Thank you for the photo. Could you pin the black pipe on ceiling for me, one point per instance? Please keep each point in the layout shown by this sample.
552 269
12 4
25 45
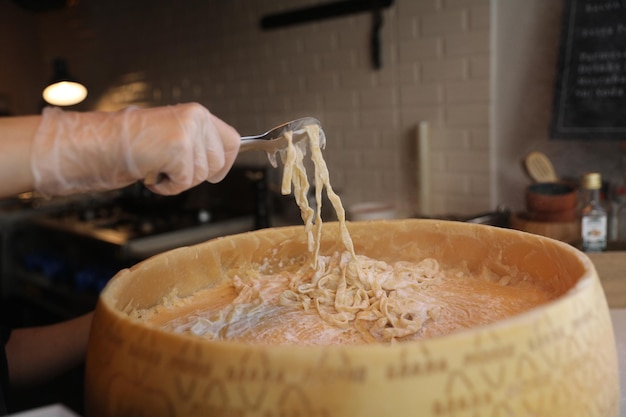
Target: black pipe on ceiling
322 12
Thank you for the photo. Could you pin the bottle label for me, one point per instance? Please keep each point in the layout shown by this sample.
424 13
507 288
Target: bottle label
594 233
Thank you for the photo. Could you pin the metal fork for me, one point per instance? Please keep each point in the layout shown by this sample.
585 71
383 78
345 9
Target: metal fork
274 139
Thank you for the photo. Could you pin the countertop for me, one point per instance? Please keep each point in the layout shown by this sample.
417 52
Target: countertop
611 267
619 327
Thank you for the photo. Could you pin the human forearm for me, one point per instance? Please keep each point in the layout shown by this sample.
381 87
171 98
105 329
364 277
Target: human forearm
64 152
16 140
39 353
183 145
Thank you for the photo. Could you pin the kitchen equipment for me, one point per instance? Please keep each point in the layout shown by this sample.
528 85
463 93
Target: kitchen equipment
499 217
139 223
271 142
59 256
550 197
540 168
552 201
556 360
563 230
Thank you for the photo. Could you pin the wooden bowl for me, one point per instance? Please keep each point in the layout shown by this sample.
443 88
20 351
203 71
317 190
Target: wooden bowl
551 197
569 215
564 231
555 360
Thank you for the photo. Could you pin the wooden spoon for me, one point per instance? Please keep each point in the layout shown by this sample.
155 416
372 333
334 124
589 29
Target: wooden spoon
539 167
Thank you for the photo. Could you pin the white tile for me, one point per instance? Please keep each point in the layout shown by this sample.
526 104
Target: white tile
470 115
443 23
479 66
444 70
418 49
479 17
378 97
421 94
416 7
467 91
467 44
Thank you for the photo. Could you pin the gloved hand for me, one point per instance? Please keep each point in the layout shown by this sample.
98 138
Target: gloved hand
94 151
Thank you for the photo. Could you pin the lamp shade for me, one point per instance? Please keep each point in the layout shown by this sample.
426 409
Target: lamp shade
63 90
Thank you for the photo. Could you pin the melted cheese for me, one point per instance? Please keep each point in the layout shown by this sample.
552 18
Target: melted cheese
402 301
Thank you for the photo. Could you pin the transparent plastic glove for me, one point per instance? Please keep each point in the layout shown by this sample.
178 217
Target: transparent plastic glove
78 152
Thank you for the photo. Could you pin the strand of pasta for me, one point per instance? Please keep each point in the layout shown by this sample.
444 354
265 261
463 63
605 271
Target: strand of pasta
338 287
345 289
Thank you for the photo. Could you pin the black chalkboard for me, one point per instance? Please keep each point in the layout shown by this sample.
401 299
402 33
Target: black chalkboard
590 93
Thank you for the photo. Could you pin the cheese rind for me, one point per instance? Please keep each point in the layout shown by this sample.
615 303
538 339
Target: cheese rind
552 361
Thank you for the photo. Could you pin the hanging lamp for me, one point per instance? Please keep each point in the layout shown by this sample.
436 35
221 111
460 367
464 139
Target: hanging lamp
63 89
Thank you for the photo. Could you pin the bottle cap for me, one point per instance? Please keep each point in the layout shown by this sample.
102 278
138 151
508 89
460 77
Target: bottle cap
592 181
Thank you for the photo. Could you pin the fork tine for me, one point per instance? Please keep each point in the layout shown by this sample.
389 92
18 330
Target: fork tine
273 139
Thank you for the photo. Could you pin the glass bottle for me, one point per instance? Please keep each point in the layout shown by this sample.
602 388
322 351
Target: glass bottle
621 211
611 203
593 215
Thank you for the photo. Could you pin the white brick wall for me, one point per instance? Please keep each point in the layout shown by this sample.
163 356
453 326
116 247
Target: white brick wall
436 56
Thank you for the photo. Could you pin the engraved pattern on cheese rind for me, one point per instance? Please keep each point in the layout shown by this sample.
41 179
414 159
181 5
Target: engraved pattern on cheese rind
139 379
595 338
130 397
414 361
253 376
335 365
294 400
189 369
485 357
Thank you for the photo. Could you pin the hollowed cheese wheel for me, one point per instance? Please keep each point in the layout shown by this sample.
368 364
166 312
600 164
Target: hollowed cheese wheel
557 359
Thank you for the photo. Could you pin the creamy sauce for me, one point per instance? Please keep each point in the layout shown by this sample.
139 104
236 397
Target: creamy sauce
440 302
